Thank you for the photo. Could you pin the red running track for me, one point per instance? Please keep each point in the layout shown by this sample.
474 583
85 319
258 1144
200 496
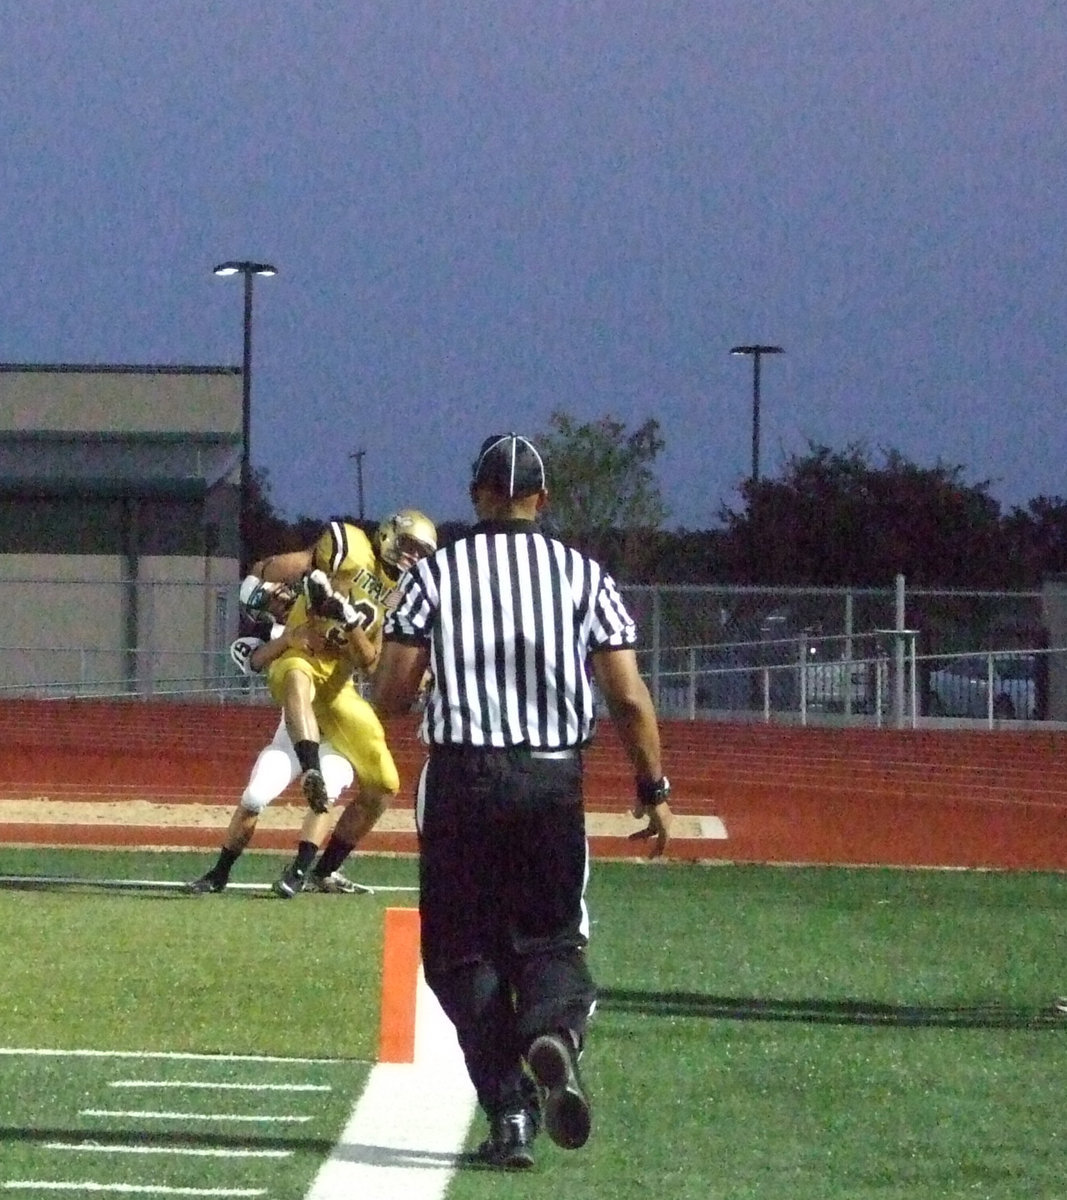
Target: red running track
939 798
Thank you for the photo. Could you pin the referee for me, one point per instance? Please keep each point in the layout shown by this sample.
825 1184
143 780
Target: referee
507 621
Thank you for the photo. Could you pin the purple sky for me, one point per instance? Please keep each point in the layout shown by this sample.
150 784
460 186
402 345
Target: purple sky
483 210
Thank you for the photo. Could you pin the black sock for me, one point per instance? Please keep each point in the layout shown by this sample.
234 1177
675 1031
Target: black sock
332 857
307 754
305 856
224 863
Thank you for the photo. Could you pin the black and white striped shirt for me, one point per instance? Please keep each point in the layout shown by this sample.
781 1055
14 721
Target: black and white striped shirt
510 616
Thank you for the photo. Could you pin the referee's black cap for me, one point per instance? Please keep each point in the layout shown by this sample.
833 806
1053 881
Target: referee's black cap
509 464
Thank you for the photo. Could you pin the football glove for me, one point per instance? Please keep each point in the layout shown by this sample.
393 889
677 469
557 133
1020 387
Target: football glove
323 601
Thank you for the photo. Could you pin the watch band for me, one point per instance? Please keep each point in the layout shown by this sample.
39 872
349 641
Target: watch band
653 791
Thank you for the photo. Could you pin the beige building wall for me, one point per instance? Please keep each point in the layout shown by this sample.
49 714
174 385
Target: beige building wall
186 400
79 615
69 619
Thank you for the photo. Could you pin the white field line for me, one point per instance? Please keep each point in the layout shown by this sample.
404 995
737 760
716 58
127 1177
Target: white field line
220 1087
174 1055
84 1187
183 1151
144 1114
169 885
410 1122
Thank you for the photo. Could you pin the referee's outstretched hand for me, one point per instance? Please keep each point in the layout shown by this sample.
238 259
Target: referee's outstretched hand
658 829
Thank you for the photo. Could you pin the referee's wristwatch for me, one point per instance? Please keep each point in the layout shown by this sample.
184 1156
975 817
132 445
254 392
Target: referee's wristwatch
651 792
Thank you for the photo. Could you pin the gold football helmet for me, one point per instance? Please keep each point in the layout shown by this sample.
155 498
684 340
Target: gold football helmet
405 537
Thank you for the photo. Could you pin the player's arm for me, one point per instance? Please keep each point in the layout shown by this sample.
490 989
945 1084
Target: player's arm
360 648
295 637
284 568
253 655
396 682
364 648
634 717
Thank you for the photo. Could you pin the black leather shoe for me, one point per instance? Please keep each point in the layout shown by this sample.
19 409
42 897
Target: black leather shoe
509 1146
564 1104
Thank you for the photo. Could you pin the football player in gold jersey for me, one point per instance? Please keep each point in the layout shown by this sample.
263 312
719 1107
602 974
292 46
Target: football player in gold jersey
264 608
349 584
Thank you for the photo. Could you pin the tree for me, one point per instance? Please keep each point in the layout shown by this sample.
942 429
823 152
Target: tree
1037 539
268 533
603 495
838 518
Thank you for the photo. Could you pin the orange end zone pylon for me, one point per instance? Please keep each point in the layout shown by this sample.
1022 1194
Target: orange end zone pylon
400 976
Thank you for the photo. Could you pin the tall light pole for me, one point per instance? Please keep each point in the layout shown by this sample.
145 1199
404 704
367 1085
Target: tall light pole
249 270
358 456
755 352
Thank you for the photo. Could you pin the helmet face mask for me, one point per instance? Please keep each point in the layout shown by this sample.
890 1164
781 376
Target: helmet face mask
405 537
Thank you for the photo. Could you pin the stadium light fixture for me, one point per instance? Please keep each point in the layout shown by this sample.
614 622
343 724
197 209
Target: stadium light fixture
249 270
755 352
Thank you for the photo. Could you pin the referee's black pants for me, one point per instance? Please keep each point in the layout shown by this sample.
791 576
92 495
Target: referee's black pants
503 862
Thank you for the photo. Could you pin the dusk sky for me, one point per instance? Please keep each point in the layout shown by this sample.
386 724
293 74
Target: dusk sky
485 210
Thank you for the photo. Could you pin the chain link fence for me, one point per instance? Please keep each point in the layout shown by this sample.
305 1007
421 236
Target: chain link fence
872 653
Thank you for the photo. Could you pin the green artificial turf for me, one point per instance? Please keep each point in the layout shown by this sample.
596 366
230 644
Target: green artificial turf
762 1032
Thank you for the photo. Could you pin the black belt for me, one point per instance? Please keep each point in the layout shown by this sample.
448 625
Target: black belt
564 752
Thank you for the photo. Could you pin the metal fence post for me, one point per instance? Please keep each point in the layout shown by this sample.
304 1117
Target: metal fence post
848 652
802 648
691 697
657 618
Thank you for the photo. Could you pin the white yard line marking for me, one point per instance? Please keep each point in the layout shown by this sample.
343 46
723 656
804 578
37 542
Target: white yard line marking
185 1116
127 1189
409 1115
222 1087
712 827
169 885
185 1151
175 1055
621 825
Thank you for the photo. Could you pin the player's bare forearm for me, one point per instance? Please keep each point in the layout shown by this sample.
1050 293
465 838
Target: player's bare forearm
396 682
284 568
292 638
363 650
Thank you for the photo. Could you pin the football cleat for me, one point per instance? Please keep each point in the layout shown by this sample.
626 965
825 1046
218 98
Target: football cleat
337 884
290 884
205 885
